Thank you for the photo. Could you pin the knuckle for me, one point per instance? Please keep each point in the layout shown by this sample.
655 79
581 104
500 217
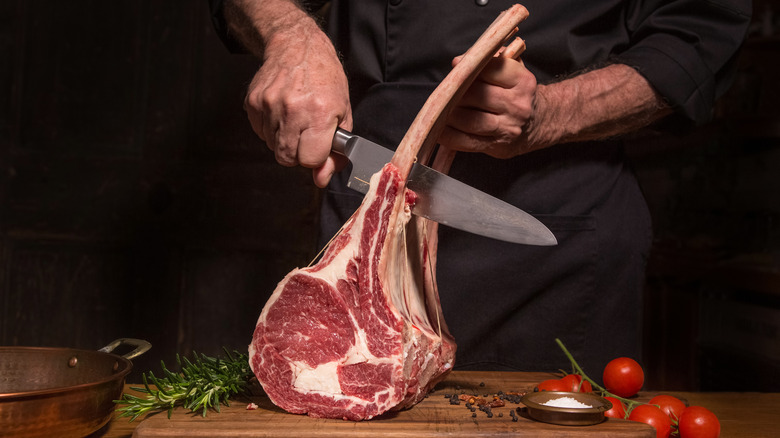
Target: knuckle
285 153
253 100
270 98
284 158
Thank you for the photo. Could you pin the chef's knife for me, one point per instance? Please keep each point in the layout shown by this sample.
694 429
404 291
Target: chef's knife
442 198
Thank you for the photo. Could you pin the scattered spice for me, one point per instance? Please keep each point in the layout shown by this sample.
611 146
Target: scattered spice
495 402
512 397
486 402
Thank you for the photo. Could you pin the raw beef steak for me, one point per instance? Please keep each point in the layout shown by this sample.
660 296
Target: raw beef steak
361 332
351 337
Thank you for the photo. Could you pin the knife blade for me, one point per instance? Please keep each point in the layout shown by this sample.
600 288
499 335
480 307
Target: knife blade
442 198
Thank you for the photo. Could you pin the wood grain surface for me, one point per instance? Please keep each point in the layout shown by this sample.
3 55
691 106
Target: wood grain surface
432 417
741 415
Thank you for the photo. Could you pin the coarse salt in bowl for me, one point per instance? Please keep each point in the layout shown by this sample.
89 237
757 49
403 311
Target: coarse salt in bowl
566 402
566 408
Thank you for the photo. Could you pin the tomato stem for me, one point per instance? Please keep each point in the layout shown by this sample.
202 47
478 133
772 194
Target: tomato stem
630 404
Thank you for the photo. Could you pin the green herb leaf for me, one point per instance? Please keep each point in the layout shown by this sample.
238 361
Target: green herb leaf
202 384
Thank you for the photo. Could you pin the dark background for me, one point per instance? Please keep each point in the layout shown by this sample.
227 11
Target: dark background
135 201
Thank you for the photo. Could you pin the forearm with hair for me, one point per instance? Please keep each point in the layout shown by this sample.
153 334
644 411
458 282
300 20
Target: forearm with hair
257 23
595 105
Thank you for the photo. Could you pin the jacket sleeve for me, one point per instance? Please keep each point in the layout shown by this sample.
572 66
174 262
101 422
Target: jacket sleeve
687 49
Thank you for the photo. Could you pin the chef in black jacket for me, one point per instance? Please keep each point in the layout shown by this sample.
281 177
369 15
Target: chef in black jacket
546 134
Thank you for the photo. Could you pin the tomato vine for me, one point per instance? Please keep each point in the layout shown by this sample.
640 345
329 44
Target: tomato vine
630 404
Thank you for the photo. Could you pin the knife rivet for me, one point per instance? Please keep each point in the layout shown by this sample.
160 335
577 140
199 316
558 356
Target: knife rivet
481 2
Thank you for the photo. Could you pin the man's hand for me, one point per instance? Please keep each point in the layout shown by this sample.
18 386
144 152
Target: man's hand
492 115
299 96
296 101
505 113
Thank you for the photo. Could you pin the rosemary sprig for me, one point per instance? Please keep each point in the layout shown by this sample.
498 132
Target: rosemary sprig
203 383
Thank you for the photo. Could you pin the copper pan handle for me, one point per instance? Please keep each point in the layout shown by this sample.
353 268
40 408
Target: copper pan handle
140 345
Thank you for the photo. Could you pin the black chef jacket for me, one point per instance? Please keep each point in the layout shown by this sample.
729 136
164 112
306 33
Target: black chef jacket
506 303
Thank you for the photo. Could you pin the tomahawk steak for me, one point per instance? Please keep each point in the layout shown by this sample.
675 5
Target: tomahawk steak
361 332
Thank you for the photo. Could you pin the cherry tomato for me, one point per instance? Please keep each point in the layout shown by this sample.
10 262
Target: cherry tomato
698 422
672 406
554 385
623 377
568 383
653 416
617 411
572 383
586 386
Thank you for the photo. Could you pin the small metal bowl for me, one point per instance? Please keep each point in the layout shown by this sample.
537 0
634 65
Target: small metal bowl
566 416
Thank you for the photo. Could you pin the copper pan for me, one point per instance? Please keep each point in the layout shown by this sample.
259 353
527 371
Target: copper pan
61 392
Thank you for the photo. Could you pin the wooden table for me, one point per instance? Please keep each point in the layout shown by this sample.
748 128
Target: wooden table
740 414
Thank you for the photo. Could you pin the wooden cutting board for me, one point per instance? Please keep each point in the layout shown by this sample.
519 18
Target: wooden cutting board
432 417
